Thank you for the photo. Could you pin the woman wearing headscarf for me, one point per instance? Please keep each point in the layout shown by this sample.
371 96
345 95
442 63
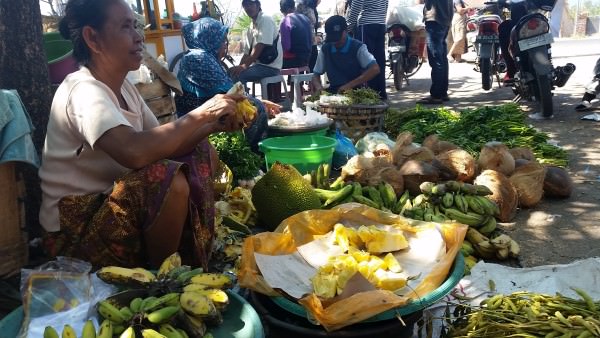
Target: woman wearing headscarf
202 74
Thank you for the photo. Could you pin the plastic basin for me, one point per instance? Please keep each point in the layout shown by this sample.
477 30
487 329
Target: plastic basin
304 152
59 55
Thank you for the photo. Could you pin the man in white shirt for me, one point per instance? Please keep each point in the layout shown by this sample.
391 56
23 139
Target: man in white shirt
262 35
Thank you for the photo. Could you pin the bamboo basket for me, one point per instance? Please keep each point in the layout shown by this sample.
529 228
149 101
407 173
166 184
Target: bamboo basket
13 242
159 99
355 121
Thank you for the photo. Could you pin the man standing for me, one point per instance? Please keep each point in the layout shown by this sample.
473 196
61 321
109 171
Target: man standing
366 19
437 15
261 38
296 36
346 61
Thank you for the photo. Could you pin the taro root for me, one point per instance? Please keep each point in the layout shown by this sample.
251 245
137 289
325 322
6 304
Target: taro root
417 172
495 156
529 182
503 193
522 153
460 162
557 183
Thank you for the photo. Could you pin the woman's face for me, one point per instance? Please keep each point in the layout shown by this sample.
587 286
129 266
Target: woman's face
118 43
223 48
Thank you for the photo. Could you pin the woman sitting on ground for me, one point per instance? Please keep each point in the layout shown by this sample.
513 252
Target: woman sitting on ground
202 74
118 188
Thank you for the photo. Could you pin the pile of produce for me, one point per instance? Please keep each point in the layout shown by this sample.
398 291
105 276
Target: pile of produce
525 314
235 152
180 301
472 128
356 96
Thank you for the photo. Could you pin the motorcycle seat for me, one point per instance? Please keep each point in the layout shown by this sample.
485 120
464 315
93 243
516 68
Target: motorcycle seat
490 17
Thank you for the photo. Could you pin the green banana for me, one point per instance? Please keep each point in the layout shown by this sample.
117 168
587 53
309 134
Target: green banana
175 272
467 248
470 218
388 194
326 173
151 333
356 189
374 195
128 333
482 190
339 195
50 332
126 312
366 201
448 200
337 184
147 302
426 187
118 329
135 304
401 202
169 331
319 176
163 315
106 329
460 203
488 226
417 201
183 333
468 189
186 276
171 298
438 189
89 330
490 206
110 312
68 332
474 205
453 186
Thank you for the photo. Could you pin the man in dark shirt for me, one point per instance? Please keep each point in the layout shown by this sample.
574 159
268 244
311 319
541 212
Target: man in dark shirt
296 36
346 61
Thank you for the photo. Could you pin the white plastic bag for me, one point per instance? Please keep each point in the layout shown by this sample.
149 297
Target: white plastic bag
411 17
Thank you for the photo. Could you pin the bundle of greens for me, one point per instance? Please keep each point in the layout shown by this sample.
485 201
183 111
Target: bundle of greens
470 129
236 153
365 96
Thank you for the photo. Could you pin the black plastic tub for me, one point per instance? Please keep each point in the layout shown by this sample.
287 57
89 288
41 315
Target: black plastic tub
279 323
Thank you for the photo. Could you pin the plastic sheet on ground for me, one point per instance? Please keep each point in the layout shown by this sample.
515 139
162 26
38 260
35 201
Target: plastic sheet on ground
547 279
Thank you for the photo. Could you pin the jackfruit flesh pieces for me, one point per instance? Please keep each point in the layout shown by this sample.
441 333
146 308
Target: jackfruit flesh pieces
379 241
391 263
388 280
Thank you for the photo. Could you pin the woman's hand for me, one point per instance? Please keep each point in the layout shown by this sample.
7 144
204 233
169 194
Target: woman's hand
221 112
272 108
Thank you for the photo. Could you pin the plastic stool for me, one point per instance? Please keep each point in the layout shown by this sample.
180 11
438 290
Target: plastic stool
298 79
264 82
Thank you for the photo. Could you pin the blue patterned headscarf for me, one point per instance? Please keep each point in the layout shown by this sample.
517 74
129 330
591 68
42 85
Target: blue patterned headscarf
200 71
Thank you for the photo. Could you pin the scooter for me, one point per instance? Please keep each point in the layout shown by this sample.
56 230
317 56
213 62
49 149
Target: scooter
404 59
530 41
487 45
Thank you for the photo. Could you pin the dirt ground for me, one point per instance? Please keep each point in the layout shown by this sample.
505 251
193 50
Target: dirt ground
555 231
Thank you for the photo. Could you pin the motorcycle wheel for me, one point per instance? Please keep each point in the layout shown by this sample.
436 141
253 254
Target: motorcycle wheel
545 94
399 73
485 67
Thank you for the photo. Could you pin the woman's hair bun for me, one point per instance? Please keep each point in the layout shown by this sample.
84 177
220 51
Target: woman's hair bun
63 29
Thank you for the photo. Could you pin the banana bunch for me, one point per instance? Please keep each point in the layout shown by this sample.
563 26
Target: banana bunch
319 178
500 246
89 331
452 200
381 197
245 110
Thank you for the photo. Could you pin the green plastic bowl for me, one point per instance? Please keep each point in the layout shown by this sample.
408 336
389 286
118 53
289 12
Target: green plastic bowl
304 152
455 275
59 55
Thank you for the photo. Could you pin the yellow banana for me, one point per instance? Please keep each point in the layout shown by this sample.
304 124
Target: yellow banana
110 312
194 287
163 315
214 280
217 296
59 304
186 276
485 249
125 276
50 332
169 331
196 324
198 305
475 236
89 330
514 249
150 333
128 333
106 329
68 332
170 263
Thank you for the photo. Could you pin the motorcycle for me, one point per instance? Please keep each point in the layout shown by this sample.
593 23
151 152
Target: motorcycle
484 33
405 44
529 44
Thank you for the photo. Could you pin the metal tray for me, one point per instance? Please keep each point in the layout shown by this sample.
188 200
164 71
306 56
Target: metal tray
301 129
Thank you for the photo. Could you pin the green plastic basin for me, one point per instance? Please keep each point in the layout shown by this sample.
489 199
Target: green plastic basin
59 55
304 152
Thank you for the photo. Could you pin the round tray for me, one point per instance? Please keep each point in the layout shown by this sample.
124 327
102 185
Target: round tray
380 106
240 320
455 276
301 129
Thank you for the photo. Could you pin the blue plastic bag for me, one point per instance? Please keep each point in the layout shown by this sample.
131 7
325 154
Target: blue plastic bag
344 150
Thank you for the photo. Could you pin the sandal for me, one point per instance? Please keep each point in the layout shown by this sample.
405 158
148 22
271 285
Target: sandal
430 100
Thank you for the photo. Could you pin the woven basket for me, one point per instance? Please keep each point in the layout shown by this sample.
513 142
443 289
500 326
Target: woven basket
159 99
355 121
13 242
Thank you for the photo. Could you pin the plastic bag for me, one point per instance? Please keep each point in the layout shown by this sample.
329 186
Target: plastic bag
411 17
57 293
344 150
304 227
372 141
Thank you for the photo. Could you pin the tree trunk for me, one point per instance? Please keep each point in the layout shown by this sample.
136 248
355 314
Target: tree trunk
23 67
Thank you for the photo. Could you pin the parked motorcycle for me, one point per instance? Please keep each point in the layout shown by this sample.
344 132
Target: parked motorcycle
529 46
406 42
483 30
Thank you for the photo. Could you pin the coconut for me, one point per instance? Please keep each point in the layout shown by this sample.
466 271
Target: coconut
557 183
417 172
460 162
522 153
431 142
503 193
388 174
444 146
521 162
445 173
529 182
495 156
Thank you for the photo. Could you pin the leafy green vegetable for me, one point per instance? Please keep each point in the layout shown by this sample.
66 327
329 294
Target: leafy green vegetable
236 153
470 129
366 96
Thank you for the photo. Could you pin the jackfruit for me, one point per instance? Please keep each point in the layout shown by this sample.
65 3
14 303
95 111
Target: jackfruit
379 241
281 193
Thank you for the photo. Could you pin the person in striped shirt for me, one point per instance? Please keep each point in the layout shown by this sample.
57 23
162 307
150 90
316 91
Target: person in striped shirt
366 21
